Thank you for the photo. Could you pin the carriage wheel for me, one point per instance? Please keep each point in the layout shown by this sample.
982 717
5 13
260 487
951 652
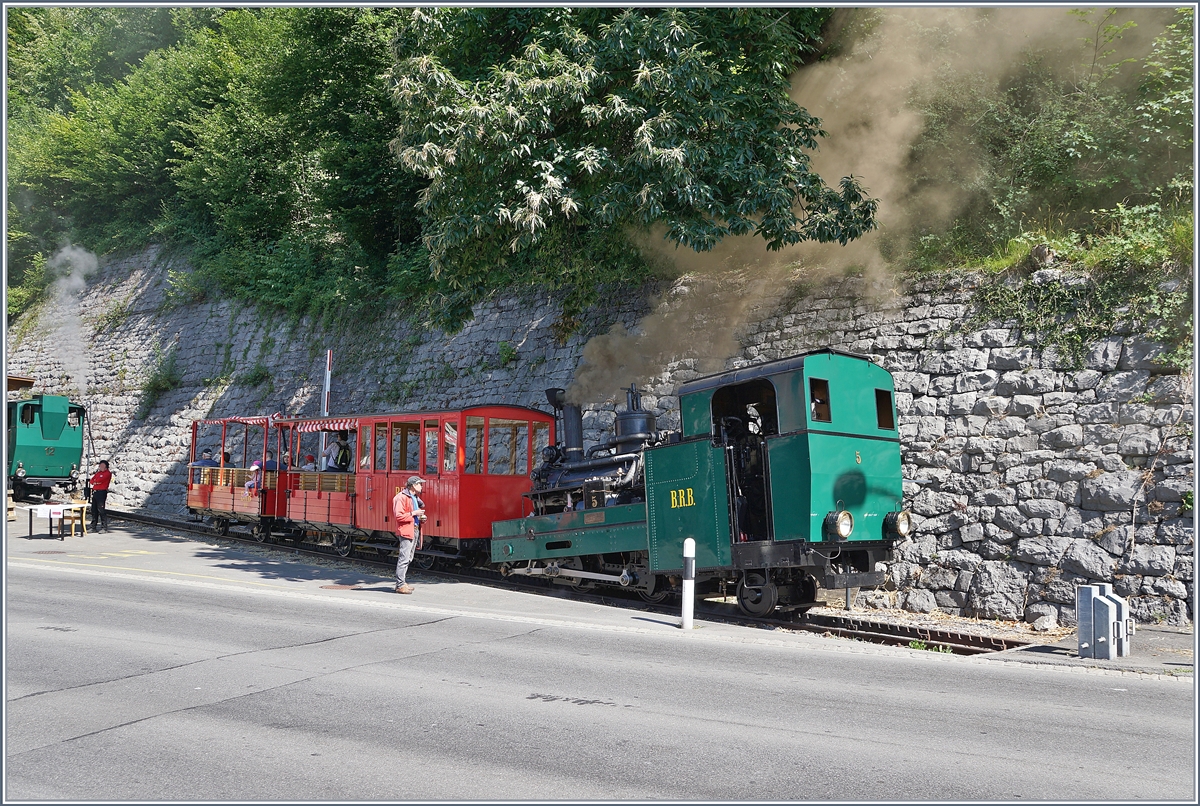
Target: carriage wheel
756 594
424 561
222 526
260 532
343 544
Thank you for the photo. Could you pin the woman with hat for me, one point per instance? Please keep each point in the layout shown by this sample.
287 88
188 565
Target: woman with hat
409 516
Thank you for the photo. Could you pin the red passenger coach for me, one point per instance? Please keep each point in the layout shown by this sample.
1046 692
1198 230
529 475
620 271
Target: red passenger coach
475 463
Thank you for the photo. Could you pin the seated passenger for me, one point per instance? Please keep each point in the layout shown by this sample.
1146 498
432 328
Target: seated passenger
205 459
255 481
310 463
270 464
338 457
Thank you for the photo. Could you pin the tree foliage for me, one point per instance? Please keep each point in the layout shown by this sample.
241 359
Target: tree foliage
546 134
325 159
1048 143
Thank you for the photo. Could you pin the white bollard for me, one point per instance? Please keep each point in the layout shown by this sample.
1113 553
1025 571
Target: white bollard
689 582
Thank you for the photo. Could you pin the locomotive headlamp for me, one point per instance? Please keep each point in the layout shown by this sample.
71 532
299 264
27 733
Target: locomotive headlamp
898 523
74 472
839 524
20 470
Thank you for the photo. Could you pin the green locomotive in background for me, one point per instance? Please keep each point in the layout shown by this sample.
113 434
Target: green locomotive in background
786 474
45 445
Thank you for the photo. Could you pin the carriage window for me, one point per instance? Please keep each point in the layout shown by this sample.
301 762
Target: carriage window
381 447
508 447
818 393
406 445
473 446
28 414
541 437
431 446
450 452
364 447
883 409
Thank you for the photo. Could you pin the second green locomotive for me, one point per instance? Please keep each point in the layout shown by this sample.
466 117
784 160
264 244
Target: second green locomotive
786 474
45 445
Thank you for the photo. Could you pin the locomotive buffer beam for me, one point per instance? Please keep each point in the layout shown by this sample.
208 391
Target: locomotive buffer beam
870 579
554 570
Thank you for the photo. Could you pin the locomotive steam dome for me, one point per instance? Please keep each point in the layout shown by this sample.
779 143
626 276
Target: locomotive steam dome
634 426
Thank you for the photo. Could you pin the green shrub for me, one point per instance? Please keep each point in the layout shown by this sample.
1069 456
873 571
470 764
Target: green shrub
255 376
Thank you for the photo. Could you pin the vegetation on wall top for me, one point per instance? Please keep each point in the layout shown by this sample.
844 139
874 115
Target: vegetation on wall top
334 160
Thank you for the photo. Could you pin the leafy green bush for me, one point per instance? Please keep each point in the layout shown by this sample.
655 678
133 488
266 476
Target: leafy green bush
256 376
1138 266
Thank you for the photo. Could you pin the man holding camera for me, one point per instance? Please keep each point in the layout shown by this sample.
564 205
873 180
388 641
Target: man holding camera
406 506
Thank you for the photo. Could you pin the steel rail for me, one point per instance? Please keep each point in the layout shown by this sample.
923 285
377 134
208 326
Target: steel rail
856 628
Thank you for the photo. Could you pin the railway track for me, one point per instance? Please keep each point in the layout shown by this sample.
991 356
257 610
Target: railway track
845 626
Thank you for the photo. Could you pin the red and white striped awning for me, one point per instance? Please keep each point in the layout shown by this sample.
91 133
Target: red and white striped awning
343 424
263 421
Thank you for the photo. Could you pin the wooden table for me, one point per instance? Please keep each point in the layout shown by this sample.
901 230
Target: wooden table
60 511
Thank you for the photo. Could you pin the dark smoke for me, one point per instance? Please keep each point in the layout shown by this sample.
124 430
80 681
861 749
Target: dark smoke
861 97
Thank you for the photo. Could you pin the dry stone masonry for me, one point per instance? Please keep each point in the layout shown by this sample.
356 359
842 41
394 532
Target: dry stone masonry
1028 474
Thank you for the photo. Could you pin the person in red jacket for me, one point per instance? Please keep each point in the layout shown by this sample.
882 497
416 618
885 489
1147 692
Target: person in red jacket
99 483
409 515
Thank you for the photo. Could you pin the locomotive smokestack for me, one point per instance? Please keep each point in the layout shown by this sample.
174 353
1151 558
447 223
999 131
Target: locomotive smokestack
573 432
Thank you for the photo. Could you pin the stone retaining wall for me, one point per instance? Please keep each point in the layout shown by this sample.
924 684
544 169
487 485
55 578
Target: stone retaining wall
1031 474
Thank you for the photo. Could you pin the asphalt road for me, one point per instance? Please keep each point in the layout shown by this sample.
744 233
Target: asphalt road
187 672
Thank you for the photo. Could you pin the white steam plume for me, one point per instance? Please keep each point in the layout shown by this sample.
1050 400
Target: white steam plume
72 265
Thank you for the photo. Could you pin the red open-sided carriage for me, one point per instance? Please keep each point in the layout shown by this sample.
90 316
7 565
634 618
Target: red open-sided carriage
230 489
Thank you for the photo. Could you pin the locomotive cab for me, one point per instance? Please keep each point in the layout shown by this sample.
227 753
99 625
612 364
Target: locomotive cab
790 475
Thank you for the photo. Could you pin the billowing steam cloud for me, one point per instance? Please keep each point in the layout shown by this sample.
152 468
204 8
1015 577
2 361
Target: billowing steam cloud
697 320
861 97
72 265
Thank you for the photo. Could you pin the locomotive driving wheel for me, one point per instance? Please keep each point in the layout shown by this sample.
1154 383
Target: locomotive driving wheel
658 592
757 594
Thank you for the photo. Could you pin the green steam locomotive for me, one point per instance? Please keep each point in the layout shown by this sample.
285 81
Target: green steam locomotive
786 474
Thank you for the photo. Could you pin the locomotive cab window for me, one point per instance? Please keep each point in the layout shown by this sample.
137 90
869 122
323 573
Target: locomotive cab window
883 409
28 414
818 395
